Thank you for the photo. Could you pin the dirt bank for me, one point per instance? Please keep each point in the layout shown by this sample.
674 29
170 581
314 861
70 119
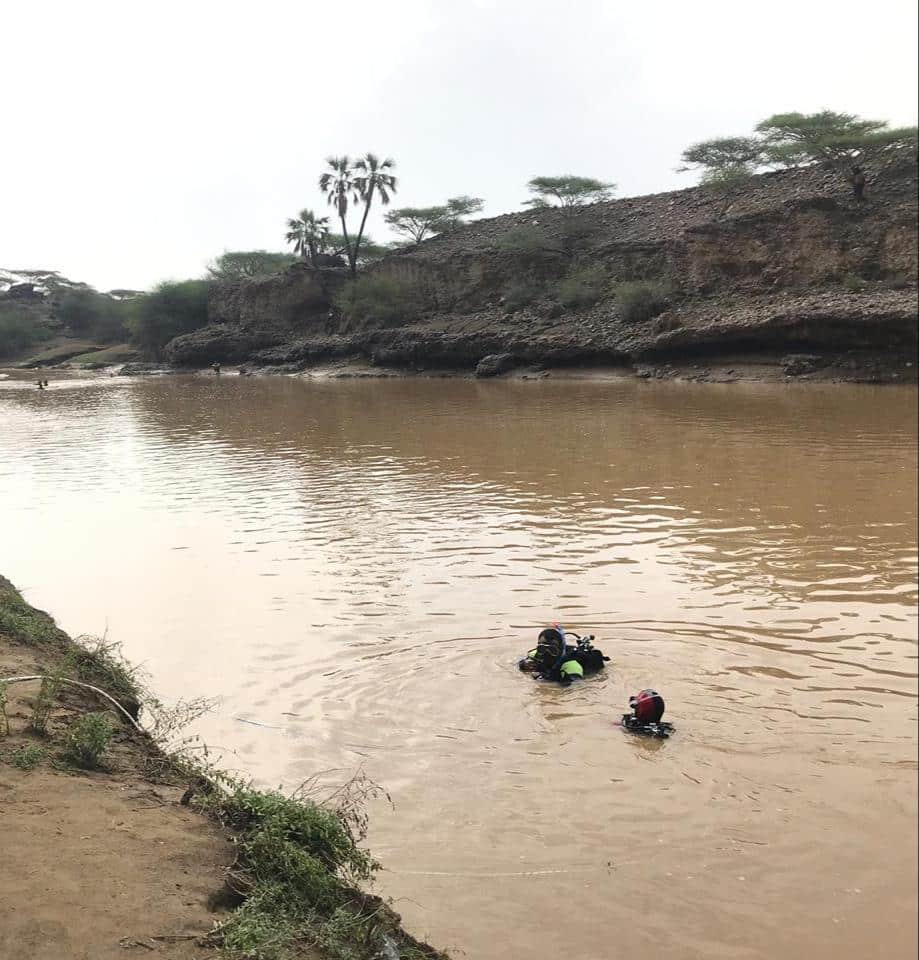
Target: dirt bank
124 858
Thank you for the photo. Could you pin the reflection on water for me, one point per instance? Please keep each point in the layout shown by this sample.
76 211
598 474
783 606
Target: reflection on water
357 565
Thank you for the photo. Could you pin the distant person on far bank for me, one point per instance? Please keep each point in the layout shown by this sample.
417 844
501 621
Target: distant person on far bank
216 368
858 183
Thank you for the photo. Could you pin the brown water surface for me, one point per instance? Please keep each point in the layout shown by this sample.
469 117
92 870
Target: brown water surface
354 567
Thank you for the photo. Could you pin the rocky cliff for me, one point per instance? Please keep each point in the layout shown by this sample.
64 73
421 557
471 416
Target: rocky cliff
784 263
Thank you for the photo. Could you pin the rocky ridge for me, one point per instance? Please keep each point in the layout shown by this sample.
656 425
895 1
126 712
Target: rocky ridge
787 263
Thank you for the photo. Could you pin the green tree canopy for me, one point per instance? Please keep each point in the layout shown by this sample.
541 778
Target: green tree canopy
459 208
346 182
88 313
797 139
724 153
416 223
792 139
168 310
568 191
307 233
374 176
243 264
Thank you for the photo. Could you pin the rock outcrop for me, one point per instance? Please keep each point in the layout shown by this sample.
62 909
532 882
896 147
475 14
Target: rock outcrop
786 263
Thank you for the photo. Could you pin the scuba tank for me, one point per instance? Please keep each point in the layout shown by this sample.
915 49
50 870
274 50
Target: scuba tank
555 659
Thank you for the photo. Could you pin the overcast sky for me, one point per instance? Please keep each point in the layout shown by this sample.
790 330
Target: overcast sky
140 140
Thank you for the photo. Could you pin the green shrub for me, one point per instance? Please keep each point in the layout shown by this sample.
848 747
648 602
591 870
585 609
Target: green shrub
21 622
853 283
318 830
521 293
28 756
379 301
584 287
299 863
20 329
88 739
168 311
530 245
262 929
99 662
94 315
641 300
44 702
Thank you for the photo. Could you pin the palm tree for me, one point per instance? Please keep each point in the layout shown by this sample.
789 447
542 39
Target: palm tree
338 183
307 234
374 176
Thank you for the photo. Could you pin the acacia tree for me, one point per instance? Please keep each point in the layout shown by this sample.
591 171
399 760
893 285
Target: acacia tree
568 191
240 264
723 155
795 139
374 176
417 222
307 233
458 208
337 183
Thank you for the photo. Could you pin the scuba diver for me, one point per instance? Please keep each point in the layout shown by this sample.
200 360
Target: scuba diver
645 718
554 659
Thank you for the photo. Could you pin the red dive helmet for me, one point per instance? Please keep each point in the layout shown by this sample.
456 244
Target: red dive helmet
648 706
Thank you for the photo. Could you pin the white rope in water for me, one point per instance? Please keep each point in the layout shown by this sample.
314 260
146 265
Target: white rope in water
85 686
517 873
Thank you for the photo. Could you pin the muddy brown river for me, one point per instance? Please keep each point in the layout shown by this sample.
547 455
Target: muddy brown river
354 567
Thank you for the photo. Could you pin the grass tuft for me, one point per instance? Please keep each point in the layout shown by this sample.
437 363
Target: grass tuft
27 757
21 622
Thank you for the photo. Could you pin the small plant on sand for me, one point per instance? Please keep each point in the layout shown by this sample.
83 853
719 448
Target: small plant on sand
47 695
28 756
88 739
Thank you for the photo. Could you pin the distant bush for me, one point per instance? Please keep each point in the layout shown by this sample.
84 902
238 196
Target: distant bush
168 310
88 740
641 300
900 281
522 293
853 283
726 178
584 287
530 245
379 301
245 264
19 329
94 315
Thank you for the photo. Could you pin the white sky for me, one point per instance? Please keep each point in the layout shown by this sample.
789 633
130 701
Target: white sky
137 141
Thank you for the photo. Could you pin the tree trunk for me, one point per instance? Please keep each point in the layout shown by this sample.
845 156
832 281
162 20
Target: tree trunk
352 258
360 235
